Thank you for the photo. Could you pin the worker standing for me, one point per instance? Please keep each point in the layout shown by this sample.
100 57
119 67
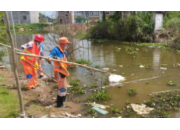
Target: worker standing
60 69
33 47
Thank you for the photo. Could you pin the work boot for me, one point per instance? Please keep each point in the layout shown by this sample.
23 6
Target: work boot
33 87
59 101
64 98
38 85
63 106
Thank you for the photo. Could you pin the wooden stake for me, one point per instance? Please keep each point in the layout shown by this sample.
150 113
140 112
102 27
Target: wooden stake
22 114
58 60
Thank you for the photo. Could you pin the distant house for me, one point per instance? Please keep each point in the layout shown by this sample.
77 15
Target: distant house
93 15
65 17
20 17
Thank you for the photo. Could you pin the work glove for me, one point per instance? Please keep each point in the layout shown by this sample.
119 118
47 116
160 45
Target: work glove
48 60
36 65
55 57
22 58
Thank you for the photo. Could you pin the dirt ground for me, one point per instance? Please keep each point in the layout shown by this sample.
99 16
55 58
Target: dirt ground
40 102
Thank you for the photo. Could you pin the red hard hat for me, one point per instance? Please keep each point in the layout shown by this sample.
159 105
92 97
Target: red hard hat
39 38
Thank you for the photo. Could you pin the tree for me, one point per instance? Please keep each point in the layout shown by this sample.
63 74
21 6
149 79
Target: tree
104 16
3 32
116 16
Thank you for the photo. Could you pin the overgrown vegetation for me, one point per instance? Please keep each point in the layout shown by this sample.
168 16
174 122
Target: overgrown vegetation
136 28
88 111
99 96
3 32
131 92
76 89
83 61
27 27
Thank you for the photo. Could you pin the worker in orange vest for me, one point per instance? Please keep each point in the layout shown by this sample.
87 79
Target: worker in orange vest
60 69
33 47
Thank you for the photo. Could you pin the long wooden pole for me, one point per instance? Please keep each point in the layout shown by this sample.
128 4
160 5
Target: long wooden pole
22 114
28 62
58 60
64 62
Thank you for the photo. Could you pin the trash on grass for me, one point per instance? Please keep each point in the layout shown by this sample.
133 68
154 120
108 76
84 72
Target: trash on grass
99 110
141 109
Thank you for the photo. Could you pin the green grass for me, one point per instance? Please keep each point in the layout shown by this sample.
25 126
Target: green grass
8 104
82 35
83 61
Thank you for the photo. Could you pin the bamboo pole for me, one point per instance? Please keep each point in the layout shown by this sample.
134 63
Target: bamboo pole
22 114
64 62
28 62
59 60
164 91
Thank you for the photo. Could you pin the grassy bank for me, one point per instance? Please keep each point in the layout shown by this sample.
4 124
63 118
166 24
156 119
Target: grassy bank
8 104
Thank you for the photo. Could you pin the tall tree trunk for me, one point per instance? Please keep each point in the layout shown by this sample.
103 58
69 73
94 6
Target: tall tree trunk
104 16
22 114
123 15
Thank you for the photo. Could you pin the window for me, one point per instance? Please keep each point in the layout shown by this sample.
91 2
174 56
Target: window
95 13
60 21
24 17
107 12
67 11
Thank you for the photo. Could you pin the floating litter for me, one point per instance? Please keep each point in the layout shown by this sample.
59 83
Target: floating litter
116 78
162 68
141 66
141 109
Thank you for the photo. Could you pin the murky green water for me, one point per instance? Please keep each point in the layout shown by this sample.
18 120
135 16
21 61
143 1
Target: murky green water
108 55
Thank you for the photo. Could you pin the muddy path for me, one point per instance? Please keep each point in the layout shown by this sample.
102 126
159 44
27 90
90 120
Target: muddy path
40 102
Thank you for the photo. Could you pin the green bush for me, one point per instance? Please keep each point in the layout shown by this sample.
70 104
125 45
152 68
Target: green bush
99 96
34 26
133 28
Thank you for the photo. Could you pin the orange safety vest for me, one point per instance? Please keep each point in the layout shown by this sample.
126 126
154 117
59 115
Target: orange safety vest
59 66
32 50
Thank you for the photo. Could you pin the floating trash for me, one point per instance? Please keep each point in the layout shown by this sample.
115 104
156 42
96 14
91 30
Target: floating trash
163 68
141 109
114 70
99 110
121 66
171 83
141 66
152 47
105 69
98 105
116 78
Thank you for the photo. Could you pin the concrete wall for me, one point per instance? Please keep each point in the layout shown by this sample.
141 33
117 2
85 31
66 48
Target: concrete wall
66 17
20 17
34 16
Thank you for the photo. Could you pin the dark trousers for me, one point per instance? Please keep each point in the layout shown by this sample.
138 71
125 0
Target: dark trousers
60 100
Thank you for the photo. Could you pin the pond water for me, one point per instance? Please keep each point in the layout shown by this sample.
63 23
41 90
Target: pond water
116 56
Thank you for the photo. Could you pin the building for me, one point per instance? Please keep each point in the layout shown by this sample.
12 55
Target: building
65 17
20 17
93 15
82 14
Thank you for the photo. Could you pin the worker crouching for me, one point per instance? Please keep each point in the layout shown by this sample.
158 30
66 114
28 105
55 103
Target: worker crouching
60 69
